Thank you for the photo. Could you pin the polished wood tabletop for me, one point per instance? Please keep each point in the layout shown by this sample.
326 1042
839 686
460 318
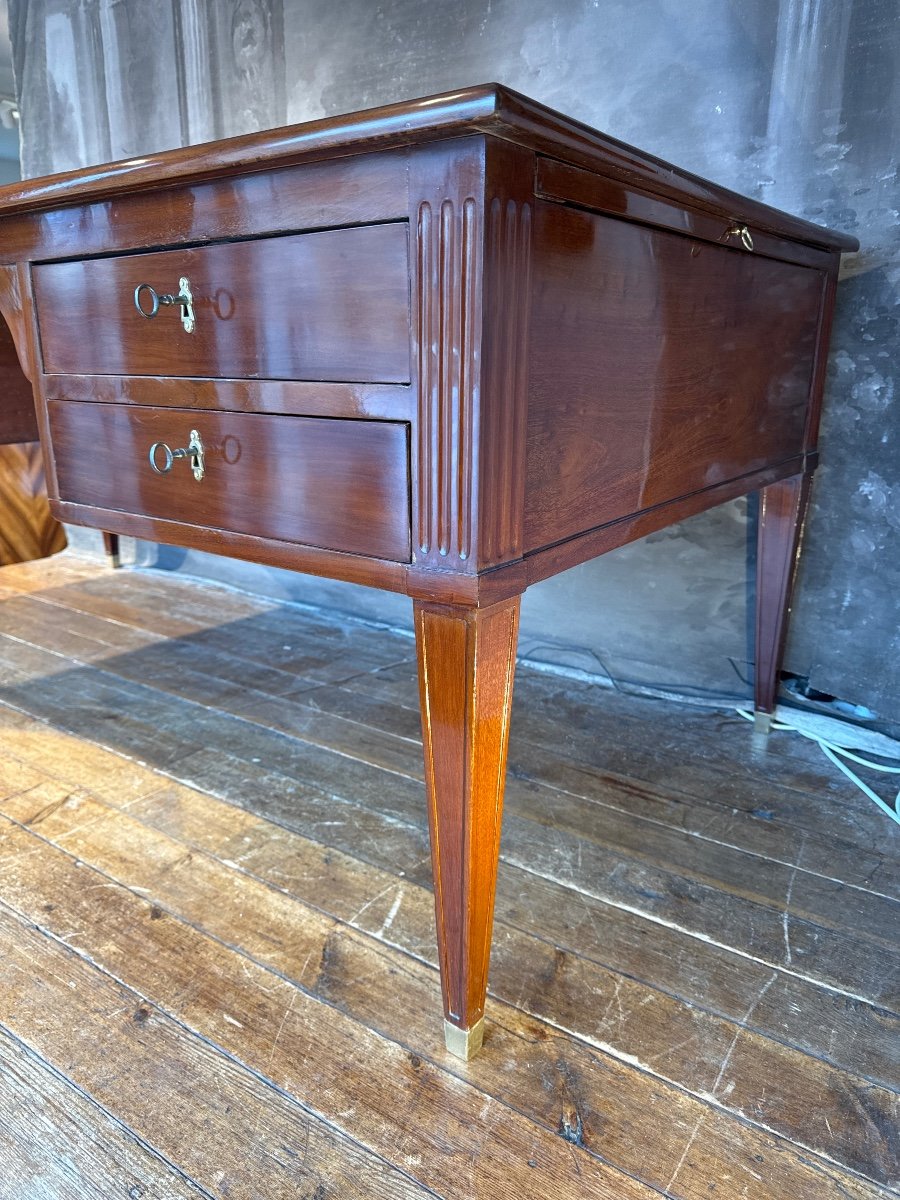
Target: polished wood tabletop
446 347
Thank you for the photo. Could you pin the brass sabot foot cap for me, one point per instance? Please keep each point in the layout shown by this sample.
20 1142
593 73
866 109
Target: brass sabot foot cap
762 722
464 1043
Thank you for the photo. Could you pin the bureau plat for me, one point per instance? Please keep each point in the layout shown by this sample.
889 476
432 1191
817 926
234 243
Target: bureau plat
447 347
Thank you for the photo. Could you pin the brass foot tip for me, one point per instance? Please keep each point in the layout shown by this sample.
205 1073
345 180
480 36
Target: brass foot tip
762 722
113 561
464 1043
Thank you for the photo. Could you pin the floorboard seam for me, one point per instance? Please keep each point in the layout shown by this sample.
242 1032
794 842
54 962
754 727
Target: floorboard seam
110 1116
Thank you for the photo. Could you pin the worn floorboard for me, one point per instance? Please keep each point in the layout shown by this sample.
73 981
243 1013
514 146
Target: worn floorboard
217 948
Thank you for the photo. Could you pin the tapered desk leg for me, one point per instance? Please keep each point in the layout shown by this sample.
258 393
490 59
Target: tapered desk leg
781 511
466 662
111 546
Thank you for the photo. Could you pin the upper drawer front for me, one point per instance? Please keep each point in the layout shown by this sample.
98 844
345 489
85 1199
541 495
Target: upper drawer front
336 484
330 306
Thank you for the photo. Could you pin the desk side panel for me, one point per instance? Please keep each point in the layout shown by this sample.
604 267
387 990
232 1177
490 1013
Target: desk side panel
18 422
660 365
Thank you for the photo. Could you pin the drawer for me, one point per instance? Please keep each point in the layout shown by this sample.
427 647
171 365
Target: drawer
336 484
325 306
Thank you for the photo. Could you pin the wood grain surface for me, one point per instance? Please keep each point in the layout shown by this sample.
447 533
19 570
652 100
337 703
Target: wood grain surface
467 660
660 365
56 1141
483 109
27 528
331 305
341 485
18 422
782 509
217 932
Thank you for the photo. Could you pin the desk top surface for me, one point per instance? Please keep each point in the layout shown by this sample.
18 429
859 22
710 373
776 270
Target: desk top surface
486 109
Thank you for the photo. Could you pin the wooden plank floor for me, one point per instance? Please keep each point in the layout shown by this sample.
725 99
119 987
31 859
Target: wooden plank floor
217 960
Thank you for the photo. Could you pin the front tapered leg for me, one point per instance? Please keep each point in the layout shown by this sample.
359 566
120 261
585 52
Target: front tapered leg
782 507
466 661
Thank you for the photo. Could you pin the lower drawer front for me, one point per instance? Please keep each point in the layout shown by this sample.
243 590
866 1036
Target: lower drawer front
337 484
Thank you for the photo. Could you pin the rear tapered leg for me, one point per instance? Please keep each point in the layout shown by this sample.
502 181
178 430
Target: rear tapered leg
782 508
111 546
466 663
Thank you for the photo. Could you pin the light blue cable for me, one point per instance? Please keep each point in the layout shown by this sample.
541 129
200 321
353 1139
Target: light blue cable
831 752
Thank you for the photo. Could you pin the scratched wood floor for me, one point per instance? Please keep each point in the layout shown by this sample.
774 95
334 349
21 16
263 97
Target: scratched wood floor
217 963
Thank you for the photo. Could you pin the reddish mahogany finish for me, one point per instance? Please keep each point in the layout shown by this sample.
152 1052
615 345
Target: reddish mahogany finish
782 508
380 401
660 365
111 546
466 664
459 345
571 185
342 485
487 108
331 305
18 422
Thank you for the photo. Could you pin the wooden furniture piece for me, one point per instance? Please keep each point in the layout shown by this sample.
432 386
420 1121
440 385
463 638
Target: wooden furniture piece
446 347
19 427
18 420
27 528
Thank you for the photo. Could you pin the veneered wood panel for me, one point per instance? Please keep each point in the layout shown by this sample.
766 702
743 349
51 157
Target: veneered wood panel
485 108
18 422
342 485
571 185
356 190
329 305
27 528
380 401
659 366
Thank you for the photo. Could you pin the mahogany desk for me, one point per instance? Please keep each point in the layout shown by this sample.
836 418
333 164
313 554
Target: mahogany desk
446 347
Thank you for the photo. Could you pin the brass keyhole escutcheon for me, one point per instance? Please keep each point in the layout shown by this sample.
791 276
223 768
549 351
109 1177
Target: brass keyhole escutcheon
193 450
185 298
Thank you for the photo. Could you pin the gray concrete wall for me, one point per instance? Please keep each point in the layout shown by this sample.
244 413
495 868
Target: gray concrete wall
796 102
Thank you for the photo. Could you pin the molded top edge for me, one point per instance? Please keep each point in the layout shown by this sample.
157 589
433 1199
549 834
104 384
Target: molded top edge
489 108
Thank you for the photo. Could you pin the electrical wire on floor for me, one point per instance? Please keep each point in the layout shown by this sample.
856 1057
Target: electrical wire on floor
836 753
